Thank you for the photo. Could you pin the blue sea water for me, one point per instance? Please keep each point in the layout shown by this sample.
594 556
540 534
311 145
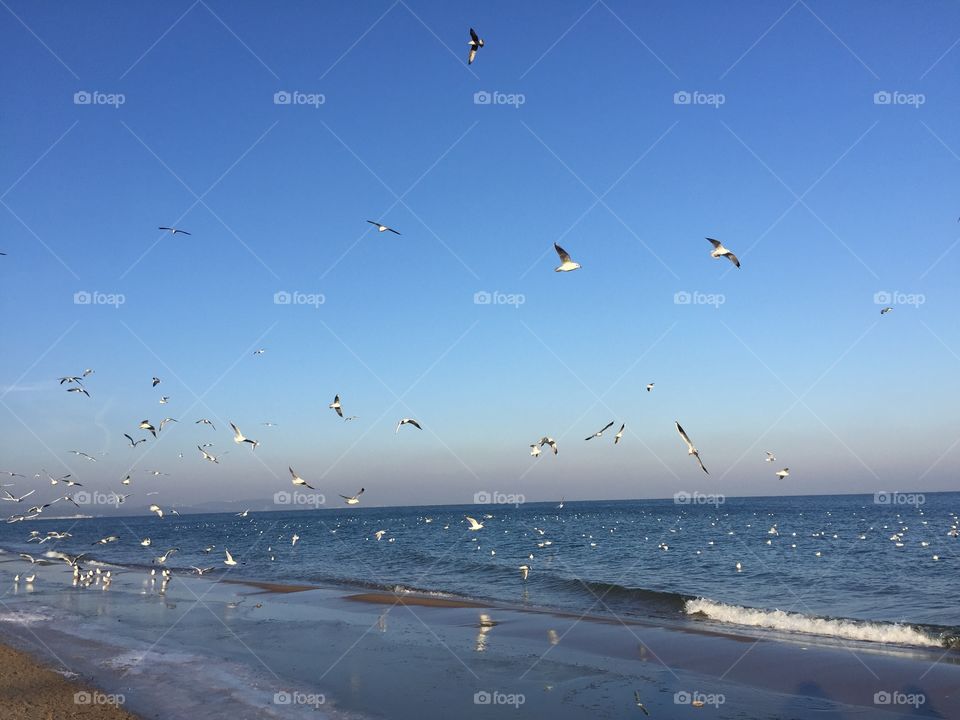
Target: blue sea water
827 565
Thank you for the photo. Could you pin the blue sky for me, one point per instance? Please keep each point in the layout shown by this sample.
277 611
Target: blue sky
827 194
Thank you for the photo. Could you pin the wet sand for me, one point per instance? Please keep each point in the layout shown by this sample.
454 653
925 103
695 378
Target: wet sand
421 600
30 691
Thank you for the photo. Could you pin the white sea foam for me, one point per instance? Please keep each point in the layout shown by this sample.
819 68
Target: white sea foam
23 618
798 622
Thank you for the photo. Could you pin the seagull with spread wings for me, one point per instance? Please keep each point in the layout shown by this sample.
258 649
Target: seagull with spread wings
691 450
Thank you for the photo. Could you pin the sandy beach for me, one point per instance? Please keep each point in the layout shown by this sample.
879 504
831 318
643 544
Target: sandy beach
208 649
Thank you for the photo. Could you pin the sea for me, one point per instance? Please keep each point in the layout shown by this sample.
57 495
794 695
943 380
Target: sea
868 568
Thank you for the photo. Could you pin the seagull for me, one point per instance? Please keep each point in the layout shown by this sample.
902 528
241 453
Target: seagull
208 456
164 399
107 540
238 438
619 435
560 506
474 525
145 425
156 381
408 421
243 514
381 227
600 432
229 559
269 424
79 390
200 571
783 473
770 457
351 417
293 539
156 509
126 480
335 405
32 559
566 264
259 351
475 44
549 441
84 455
650 386
355 500
71 379
636 699
88 371
11 498
524 570
146 542
535 450
297 480
165 421
691 450
205 422
173 231
720 251
163 558
379 534
886 310
134 443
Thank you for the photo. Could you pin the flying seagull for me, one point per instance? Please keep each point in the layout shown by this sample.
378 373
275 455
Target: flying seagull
164 399
549 441
134 443
79 390
239 439
107 540
770 457
783 473
355 500
208 456
335 405
407 421
535 450
566 264
229 559
297 480
720 251
475 44
205 422
11 498
156 509
619 435
156 381
173 231
261 351
145 425
649 387
165 421
886 310
382 228
474 525
83 455
691 450
600 432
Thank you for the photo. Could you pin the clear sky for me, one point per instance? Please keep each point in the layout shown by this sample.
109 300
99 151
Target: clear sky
828 192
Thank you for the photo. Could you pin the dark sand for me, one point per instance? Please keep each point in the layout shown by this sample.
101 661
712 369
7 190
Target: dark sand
29 691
